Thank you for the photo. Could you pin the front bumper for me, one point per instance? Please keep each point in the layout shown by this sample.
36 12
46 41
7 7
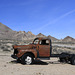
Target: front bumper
14 56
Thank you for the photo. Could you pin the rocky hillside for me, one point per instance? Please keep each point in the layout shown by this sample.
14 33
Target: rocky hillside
8 37
40 35
52 38
8 34
4 28
68 39
22 35
5 32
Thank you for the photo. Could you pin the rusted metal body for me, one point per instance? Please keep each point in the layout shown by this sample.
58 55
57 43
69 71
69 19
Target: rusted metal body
38 50
22 49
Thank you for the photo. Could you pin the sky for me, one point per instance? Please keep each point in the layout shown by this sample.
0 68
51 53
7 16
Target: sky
49 17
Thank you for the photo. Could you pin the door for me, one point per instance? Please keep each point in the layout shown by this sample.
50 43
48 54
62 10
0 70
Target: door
44 48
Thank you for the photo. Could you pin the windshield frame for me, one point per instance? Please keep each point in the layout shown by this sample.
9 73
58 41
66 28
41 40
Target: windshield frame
34 41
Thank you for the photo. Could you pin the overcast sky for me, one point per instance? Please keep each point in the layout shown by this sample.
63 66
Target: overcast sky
50 17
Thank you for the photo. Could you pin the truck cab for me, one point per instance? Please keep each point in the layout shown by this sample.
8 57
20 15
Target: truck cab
43 47
40 48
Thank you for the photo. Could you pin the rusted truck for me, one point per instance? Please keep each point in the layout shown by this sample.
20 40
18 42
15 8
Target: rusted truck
40 48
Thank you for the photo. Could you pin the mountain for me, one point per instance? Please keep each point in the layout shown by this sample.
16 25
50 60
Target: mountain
6 32
30 33
68 39
40 35
22 35
4 28
52 38
9 34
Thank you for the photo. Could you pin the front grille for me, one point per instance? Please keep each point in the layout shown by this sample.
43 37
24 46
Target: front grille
15 51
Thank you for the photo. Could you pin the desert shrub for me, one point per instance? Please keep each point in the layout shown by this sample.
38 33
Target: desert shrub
6 50
2 47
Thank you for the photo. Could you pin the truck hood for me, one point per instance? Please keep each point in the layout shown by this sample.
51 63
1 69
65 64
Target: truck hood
31 46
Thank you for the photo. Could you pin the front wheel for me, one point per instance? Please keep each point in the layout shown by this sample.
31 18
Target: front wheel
18 60
27 59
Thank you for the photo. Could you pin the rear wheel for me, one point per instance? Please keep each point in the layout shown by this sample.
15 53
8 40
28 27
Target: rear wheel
73 60
62 60
64 57
27 59
65 60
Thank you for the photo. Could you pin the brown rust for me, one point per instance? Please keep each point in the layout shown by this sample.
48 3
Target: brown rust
39 49
22 52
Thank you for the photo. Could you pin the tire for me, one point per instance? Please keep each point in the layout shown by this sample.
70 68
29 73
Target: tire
65 60
73 60
18 60
64 57
62 60
27 59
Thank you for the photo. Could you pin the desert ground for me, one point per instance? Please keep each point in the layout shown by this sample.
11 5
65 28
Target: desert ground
9 66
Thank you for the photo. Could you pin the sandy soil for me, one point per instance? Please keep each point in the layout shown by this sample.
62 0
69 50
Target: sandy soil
9 66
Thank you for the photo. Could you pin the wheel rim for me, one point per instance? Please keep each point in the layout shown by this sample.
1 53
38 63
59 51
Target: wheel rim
28 60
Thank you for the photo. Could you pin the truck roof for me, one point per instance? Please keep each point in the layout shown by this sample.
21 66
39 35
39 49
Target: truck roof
43 38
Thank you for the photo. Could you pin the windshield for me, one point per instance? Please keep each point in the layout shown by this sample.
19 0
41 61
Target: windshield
36 41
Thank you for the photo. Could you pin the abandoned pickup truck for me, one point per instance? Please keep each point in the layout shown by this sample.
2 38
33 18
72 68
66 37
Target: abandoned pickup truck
40 48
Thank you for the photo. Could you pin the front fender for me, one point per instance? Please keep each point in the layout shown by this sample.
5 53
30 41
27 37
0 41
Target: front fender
22 52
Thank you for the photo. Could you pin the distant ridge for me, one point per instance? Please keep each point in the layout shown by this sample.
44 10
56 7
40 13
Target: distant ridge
7 33
40 35
4 28
68 39
52 38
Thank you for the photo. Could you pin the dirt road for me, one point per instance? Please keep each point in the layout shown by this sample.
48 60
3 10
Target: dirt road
9 66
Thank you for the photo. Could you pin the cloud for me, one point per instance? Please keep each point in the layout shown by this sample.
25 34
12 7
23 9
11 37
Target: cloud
55 20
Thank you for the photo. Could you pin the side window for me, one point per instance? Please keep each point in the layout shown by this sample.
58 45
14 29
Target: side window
44 42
